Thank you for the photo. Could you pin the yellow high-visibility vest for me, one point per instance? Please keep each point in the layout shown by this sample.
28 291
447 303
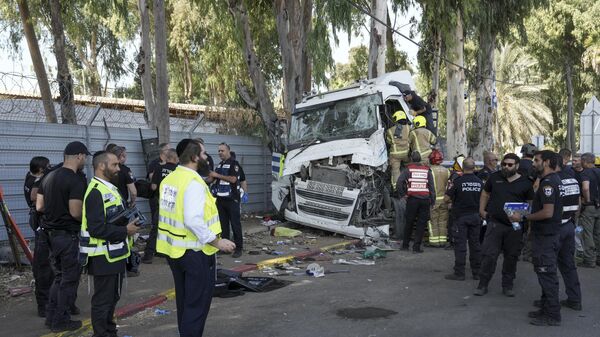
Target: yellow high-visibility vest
174 238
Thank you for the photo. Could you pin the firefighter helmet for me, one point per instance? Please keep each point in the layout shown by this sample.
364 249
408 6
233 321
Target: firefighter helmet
436 157
398 116
458 163
420 122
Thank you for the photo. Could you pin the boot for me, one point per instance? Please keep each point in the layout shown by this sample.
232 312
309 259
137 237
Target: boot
480 291
544 321
454 277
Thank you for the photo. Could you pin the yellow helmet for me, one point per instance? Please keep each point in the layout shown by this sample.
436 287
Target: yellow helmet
420 121
458 163
597 161
398 116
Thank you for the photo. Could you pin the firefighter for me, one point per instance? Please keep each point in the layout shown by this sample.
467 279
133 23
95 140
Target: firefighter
397 138
416 185
420 139
439 214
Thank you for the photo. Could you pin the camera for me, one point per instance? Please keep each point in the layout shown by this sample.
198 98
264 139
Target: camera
128 215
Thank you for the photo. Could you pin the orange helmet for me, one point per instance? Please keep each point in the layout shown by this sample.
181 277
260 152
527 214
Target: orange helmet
436 157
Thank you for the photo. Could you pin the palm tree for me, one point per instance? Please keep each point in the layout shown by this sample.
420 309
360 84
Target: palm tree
522 112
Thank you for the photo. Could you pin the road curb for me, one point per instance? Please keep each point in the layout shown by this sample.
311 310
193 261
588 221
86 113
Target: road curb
133 308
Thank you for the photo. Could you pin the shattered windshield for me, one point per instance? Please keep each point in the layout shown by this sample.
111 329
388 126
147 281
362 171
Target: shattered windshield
335 120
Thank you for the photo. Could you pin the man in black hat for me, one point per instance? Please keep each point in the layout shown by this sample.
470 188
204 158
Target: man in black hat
60 200
420 107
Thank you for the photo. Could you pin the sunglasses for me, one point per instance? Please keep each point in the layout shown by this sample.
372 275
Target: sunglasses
507 164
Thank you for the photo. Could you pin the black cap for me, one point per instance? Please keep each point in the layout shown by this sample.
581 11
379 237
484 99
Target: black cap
75 148
407 92
182 145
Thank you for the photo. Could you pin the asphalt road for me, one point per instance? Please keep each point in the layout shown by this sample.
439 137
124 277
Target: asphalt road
412 287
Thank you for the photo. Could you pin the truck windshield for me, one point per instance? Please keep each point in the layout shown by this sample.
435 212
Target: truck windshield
334 120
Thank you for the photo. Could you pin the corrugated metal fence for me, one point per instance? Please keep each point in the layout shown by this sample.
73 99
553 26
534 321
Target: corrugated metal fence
20 141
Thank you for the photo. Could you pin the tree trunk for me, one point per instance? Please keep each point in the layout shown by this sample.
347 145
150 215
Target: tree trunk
377 41
391 61
263 100
292 33
144 69
455 107
65 81
187 77
435 74
570 141
485 112
162 80
38 62
306 64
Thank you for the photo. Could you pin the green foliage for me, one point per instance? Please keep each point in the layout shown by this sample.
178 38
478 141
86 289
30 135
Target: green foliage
356 69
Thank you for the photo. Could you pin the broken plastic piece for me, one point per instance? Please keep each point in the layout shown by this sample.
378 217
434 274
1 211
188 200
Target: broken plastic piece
286 232
315 269
354 262
161 312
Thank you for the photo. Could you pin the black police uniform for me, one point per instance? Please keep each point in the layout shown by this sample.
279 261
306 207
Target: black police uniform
125 178
453 176
545 243
160 172
465 193
108 277
228 202
62 233
485 173
570 194
41 268
526 169
500 235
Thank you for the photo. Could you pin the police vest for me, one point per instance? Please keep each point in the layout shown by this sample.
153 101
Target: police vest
223 188
440 180
570 194
397 137
418 184
174 238
91 246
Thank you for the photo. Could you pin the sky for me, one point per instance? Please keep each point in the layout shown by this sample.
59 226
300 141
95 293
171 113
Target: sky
21 62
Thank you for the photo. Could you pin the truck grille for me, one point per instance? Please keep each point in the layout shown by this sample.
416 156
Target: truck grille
323 212
341 201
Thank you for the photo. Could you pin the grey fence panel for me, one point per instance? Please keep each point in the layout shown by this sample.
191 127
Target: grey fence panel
20 141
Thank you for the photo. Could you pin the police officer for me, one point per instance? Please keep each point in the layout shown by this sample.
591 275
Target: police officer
590 213
188 230
416 185
526 168
227 175
104 246
397 138
503 186
545 227
456 172
490 165
60 199
42 270
465 194
570 194
421 139
437 226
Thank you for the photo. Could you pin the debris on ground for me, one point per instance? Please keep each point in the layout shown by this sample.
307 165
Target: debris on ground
14 282
355 262
18 291
161 312
374 253
315 269
285 232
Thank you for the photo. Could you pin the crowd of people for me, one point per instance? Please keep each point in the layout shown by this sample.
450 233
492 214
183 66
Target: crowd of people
83 227
532 205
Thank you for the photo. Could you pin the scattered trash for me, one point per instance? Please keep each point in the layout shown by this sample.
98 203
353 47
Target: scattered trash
337 271
320 257
237 261
287 266
254 252
373 252
161 312
270 222
18 291
315 269
285 232
355 262
275 252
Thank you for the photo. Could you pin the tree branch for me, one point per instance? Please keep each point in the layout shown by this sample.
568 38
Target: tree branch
245 95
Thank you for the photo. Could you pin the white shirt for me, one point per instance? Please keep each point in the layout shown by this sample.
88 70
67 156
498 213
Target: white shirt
193 210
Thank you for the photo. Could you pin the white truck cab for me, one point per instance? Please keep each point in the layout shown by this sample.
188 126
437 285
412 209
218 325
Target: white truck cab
335 174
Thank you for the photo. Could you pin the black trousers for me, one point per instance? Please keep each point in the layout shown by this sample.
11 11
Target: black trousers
500 238
151 242
64 252
419 210
229 215
566 262
465 230
544 254
42 269
194 274
107 290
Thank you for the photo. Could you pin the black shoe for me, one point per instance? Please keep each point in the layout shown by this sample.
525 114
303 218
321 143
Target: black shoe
535 314
544 321
476 277
537 303
67 326
508 292
571 305
454 277
586 265
236 254
480 291
74 310
41 312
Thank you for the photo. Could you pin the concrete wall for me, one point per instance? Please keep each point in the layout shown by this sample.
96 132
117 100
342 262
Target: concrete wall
20 141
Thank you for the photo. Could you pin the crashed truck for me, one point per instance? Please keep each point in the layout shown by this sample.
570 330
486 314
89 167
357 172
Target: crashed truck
335 173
